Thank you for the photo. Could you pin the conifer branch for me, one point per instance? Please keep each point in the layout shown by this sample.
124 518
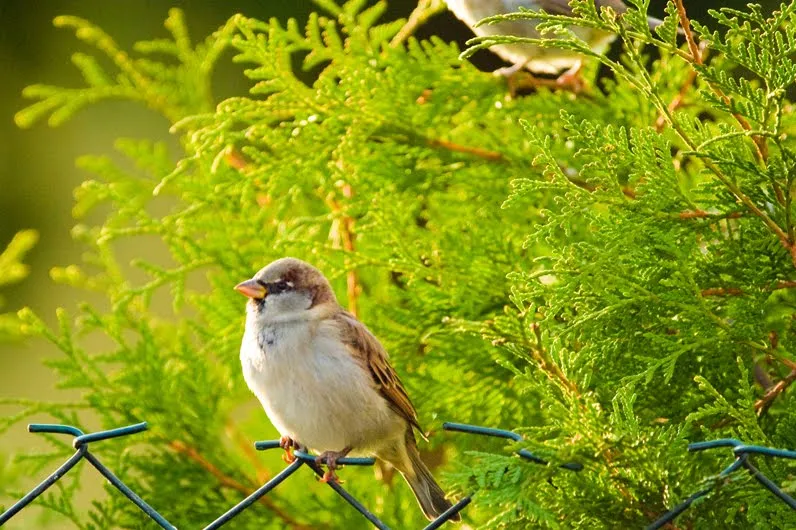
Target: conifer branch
547 365
696 58
678 100
424 10
738 193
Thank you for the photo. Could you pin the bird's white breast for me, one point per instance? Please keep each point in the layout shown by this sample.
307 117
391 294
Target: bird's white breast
311 387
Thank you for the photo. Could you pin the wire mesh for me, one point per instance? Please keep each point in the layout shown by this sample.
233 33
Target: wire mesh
742 453
81 442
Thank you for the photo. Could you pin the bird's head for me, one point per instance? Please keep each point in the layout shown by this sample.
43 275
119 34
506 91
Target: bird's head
285 289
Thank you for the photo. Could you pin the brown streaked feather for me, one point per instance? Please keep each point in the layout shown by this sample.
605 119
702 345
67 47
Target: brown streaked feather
367 348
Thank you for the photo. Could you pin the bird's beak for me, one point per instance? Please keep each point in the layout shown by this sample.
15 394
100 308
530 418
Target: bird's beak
252 289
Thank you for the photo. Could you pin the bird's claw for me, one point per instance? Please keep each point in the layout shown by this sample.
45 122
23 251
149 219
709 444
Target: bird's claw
287 443
572 79
331 458
330 476
572 82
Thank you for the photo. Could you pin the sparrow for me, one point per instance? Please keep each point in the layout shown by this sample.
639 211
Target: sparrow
534 58
324 379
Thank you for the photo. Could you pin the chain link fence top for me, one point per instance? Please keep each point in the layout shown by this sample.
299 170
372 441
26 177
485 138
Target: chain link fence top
81 442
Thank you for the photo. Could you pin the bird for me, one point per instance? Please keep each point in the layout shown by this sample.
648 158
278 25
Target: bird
325 381
536 59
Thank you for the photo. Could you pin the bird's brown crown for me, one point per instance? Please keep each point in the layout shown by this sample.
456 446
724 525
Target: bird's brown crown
301 276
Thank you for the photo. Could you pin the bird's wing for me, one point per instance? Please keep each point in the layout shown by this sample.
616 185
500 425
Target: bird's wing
368 350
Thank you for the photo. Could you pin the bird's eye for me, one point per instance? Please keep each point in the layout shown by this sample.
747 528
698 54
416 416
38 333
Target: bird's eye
278 287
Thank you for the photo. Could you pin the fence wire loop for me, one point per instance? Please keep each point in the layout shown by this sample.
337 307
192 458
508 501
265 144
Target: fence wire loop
81 444
742 454
82 441
500 433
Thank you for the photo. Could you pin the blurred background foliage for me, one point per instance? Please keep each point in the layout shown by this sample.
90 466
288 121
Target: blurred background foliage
37 166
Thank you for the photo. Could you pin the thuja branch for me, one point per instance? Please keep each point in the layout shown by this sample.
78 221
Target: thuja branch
648 89
678 100
546 364
420 15
729 184
697 60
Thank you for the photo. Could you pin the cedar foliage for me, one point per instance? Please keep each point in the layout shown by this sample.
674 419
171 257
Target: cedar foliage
12 270
604 273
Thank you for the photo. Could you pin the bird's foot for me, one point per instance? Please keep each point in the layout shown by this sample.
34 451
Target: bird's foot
522 82
287 443
572 79
331 476
330 458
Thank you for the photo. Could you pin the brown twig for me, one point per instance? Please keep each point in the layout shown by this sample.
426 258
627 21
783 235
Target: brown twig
230 483
735 291
352 280
763 404
476 151
235 159
347 237
547 365
689 37
263 475
425 10
702 214
721 291
627 191
790 364
678 100
696 55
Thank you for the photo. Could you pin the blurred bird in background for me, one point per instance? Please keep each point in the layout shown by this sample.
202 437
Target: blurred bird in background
536 59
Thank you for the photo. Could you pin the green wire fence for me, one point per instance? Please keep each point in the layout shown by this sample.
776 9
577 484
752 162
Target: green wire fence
81 442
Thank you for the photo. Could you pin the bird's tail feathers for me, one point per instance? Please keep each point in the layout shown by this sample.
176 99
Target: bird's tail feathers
428 493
